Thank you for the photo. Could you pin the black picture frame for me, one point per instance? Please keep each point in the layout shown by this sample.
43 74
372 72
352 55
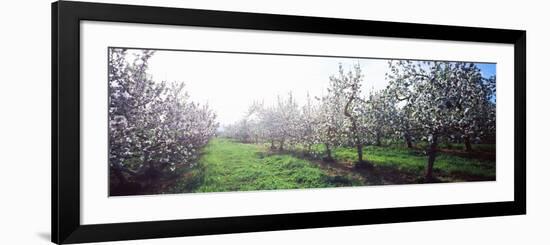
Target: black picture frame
66 17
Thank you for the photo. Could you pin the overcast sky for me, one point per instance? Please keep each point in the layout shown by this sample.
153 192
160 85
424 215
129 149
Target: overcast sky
229 83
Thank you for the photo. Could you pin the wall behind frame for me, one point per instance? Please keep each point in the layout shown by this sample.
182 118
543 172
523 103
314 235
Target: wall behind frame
25 123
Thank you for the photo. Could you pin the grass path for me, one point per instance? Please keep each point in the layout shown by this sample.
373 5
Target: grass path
231 166
227 165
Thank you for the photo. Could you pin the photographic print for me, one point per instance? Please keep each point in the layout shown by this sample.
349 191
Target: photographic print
261 122
187 121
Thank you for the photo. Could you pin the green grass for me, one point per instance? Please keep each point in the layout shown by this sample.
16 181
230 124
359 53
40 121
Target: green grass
226 165
232 166
456 146
456 168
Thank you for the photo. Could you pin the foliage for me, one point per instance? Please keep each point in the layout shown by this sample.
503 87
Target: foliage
445 99
425 103
158 136
154 130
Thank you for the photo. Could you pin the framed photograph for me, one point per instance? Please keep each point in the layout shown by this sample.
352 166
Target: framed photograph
176 122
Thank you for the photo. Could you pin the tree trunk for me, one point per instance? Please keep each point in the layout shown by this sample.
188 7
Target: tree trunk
360 152
329 153
354 129
281 144
272 144
408 141
124 187
357 142
378 143
431 159
119 175
468 144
